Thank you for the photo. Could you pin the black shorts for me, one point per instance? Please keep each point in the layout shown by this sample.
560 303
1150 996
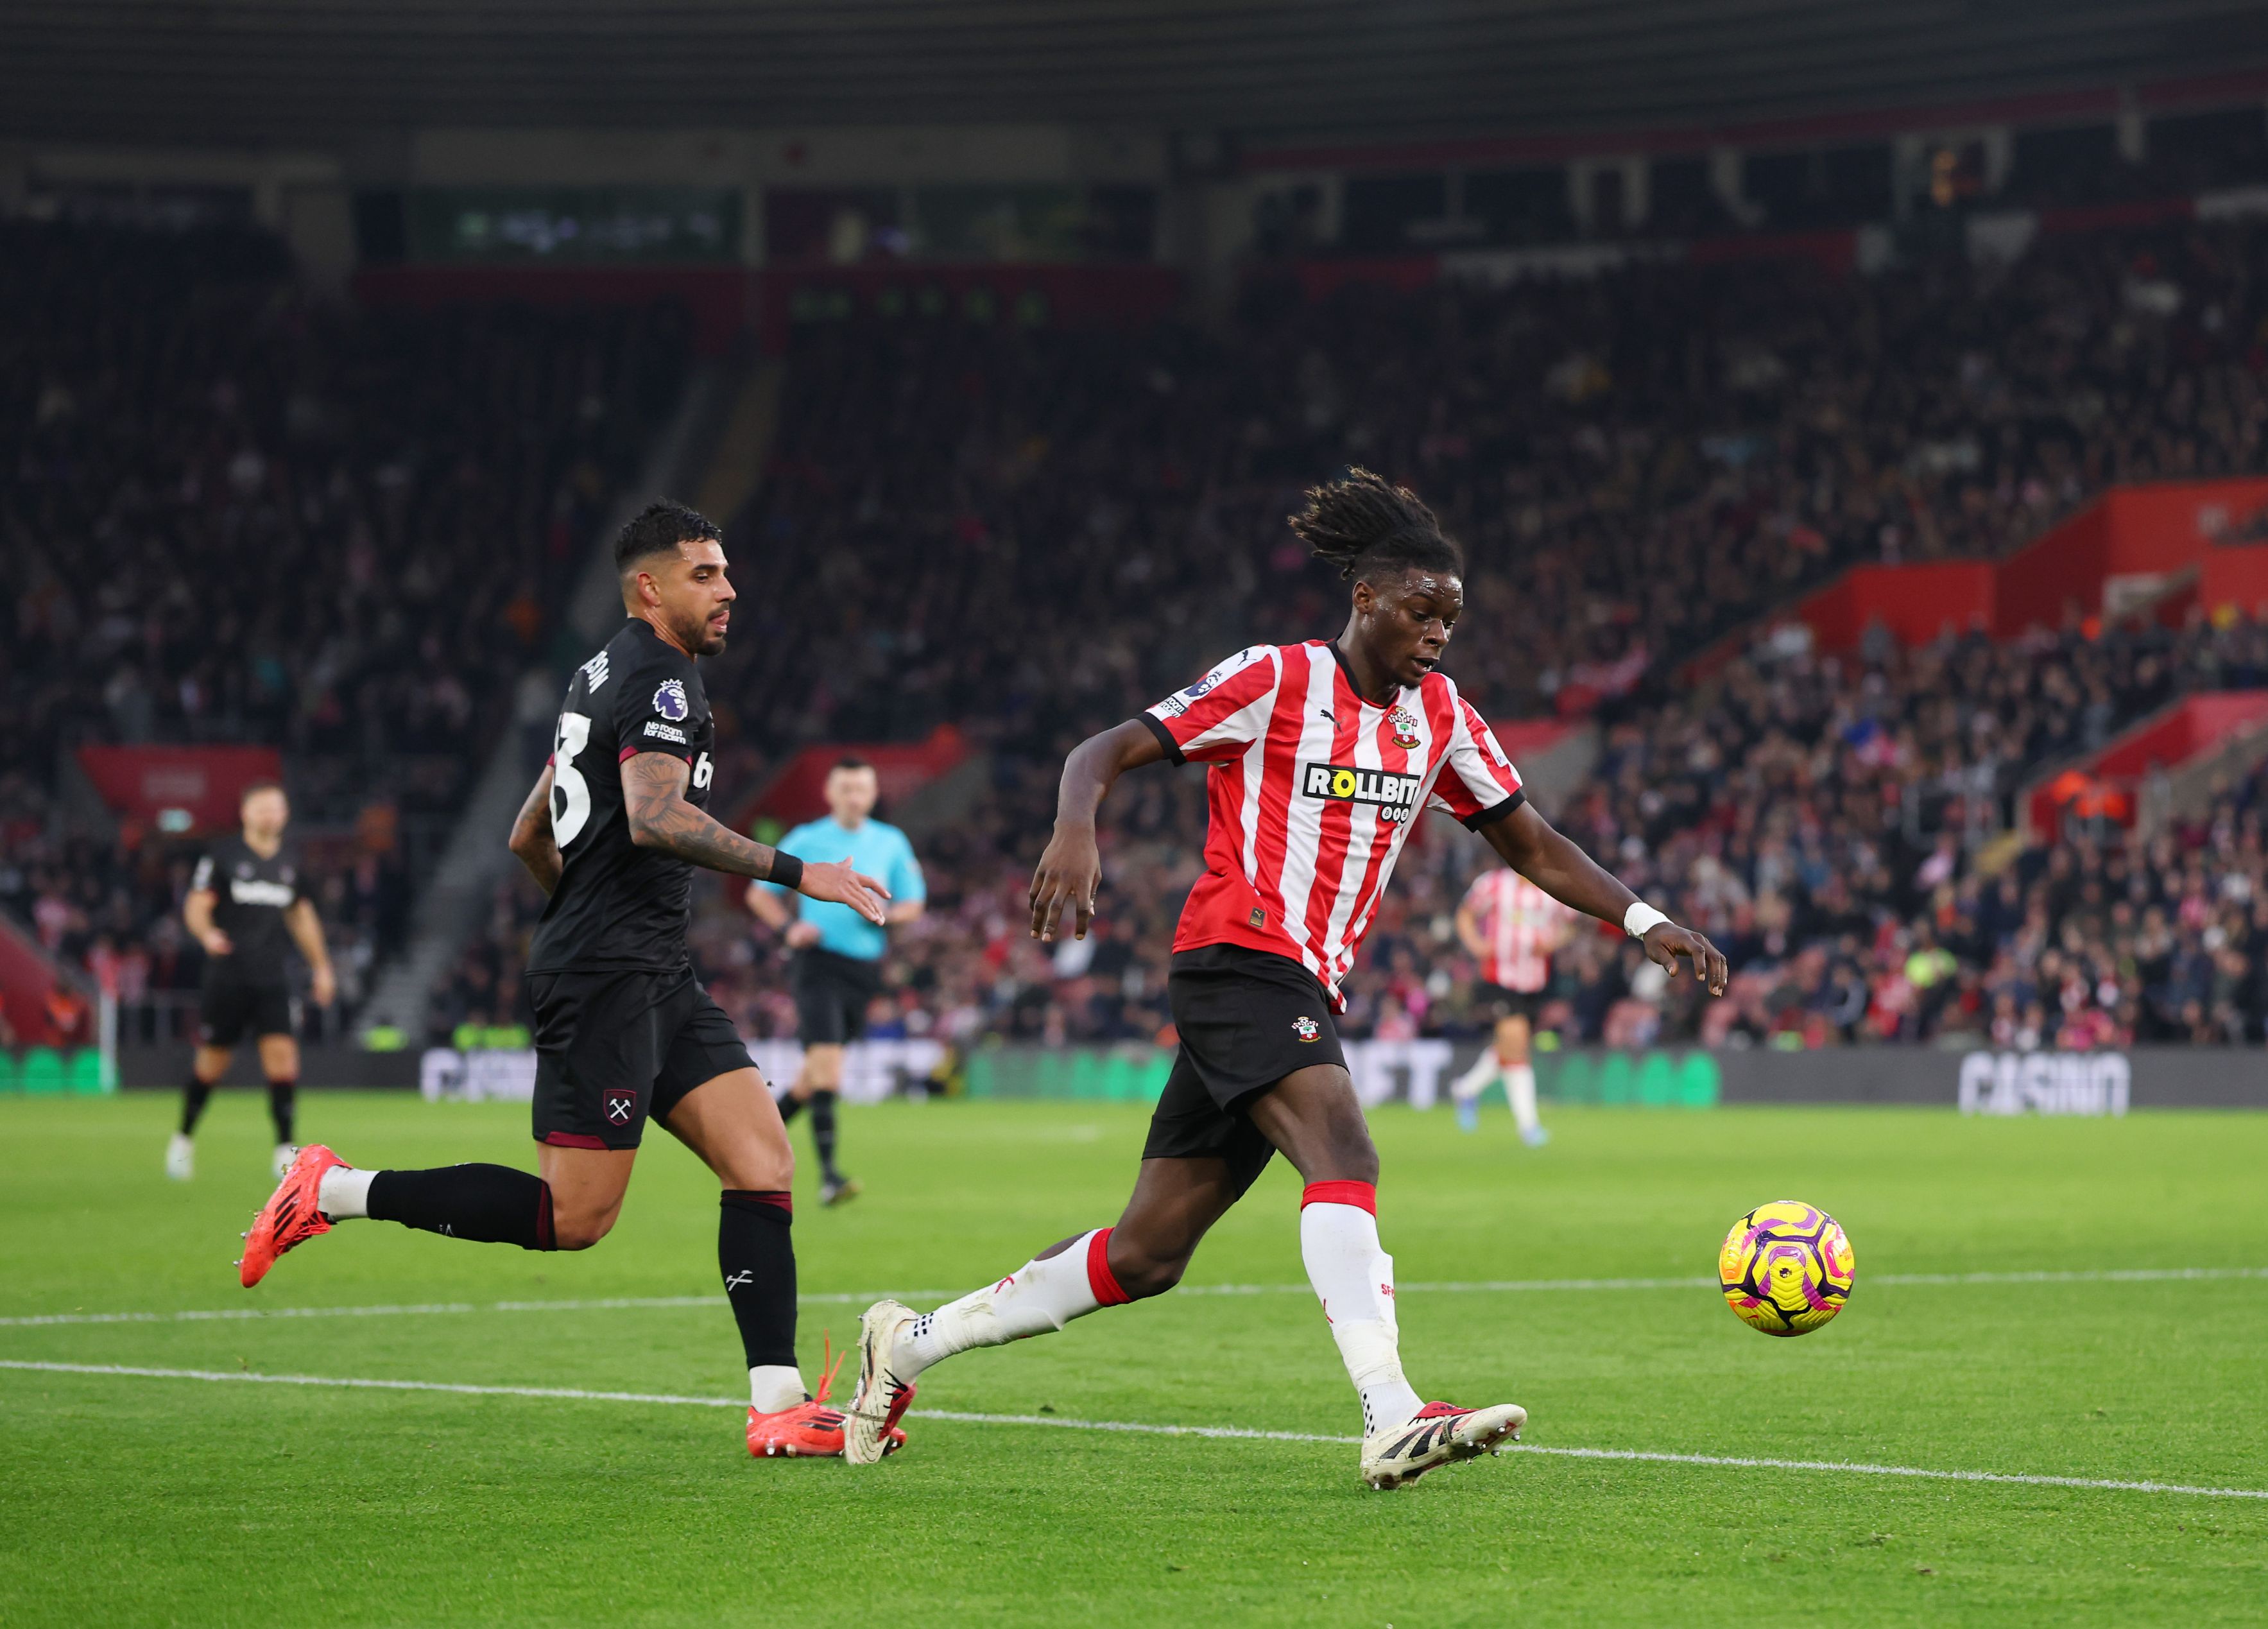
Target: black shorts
831 993
229 1009
1496 1001
614 1048
1247 1019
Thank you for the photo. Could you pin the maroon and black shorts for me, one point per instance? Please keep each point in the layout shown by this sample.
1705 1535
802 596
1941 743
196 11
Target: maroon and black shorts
614 1049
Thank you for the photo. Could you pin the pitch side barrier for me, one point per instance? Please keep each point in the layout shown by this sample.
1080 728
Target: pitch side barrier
1415 1072
1418 1071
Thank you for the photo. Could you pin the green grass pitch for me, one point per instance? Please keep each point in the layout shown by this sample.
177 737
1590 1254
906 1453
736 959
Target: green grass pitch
132 1498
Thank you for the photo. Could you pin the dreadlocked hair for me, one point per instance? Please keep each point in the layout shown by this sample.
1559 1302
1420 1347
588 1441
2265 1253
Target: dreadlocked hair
1364 524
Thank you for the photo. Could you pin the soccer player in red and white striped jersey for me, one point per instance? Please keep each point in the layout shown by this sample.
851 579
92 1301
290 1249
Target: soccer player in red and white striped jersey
1320 756
1510 927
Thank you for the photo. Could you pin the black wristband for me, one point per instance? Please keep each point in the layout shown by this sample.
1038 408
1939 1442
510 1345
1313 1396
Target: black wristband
787 870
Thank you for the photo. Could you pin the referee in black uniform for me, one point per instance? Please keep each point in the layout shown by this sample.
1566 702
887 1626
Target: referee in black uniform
245 903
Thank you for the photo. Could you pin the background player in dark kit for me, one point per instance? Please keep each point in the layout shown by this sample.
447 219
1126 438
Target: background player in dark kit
245 904
623 1032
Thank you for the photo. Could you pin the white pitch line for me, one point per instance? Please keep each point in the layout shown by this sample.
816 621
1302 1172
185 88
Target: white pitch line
1479 1286
1059 1422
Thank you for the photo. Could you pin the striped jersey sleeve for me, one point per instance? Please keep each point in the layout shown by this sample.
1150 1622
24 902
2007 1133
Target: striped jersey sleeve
1477 782
1222 713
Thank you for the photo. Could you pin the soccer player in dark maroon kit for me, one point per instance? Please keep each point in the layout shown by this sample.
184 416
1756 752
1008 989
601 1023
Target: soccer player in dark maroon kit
623 1032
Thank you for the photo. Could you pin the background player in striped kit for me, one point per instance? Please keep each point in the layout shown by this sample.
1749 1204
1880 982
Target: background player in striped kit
1322 754
1512 928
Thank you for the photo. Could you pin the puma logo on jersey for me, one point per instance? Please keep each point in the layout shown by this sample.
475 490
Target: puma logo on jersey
1393 793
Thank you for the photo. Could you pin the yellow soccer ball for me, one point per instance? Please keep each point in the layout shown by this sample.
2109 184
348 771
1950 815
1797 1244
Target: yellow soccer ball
1787 1268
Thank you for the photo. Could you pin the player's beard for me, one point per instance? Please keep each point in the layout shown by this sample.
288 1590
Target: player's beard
702 639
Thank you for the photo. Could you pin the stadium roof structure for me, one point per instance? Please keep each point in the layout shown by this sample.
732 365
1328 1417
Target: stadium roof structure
233 72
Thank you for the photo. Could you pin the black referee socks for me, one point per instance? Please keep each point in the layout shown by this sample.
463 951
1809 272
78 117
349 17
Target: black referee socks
756 1253
490 1204
822 1133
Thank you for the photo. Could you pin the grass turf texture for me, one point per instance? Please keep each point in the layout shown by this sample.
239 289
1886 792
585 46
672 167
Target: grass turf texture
130 1499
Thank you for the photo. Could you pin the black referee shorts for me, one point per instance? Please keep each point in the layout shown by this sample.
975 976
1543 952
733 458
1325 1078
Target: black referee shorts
229 1009
831 992
1247 1019
614 1049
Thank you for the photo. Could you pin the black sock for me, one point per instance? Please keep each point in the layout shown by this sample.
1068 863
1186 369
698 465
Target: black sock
490 1204
755 1252
822 1133
789 1107
194 1098
281 1095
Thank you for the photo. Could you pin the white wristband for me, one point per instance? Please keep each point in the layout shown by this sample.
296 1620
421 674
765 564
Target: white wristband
1640 918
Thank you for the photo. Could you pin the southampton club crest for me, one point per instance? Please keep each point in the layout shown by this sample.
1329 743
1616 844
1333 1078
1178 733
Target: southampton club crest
669 700
1404 725
1307 1028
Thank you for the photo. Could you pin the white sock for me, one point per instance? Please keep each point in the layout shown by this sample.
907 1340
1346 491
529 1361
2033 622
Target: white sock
1475 1080
1354 1279
344 1194
775 1386
1038 1298
1519 1085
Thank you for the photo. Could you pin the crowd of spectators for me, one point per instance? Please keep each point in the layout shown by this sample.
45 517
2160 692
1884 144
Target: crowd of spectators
1033 535
1023 532
232 510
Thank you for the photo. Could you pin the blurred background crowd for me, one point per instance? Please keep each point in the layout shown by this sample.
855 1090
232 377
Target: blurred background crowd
234 513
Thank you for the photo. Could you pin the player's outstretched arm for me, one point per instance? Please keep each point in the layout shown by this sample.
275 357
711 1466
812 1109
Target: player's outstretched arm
653 802
531 834
1533 847
1070 870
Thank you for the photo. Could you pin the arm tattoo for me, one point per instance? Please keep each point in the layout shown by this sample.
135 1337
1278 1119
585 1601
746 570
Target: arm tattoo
531 834
653 801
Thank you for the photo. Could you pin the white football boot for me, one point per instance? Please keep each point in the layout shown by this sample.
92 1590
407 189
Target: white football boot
180 1158
881 1397
1439 1434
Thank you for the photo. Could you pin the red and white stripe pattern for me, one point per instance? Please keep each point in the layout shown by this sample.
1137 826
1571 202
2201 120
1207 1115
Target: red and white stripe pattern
1313 792
1520 924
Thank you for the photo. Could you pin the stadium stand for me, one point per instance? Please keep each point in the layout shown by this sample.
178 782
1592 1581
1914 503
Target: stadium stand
237 513
1031 533
1637 465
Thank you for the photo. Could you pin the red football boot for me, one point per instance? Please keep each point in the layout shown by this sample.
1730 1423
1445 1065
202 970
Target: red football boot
290 1217
811 1429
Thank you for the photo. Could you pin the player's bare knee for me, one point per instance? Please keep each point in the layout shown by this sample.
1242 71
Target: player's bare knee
1352 1159
760 1170
580 1230
1142 1272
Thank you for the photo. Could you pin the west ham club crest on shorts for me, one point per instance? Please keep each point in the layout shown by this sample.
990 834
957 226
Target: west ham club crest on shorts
620 1105
1307 1028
